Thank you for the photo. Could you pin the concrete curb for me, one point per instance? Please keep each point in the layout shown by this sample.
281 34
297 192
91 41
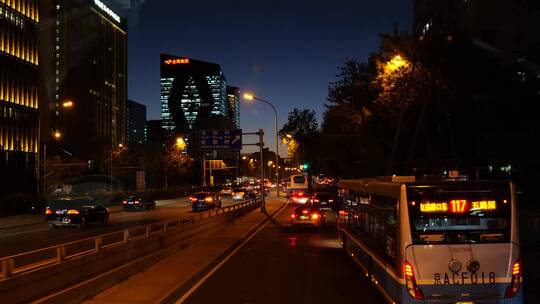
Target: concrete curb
178 291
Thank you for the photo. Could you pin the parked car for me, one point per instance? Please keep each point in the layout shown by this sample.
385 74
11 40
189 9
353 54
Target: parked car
205 201
138 202
75 211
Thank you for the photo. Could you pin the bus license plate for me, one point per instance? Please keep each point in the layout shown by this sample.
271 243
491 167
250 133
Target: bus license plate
461 278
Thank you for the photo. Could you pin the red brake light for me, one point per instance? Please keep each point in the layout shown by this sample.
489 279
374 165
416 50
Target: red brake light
193 199
137 202
73 211
305 211
512 290
48 211
410 281
208 199
343 213
124 202
293 215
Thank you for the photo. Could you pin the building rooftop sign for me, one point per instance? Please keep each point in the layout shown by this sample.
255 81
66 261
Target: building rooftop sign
107 10
177 61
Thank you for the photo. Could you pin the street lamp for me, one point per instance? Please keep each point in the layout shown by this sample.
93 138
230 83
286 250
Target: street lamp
180 143
251 97
68 104
57 135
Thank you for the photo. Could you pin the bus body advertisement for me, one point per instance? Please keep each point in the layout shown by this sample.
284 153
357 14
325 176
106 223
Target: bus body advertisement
434 242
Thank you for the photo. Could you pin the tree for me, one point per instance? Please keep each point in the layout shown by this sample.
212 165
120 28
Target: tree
302 126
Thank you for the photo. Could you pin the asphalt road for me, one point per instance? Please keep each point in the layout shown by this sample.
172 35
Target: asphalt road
25 238
282 265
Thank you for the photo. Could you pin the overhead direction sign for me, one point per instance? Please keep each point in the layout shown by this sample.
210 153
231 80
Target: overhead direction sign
221 139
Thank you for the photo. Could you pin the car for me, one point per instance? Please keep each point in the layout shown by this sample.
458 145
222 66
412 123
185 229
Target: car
239 194
299 197
307 215
226 191
75 211
138 202
205 201
325 200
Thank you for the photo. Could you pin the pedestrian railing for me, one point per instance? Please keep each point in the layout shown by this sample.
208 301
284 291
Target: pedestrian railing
36 259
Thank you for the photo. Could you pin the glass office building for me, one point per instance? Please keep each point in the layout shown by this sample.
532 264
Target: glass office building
190 90
19 106
233 104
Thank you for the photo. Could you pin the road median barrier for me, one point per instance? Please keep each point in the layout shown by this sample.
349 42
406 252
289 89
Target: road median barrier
43 275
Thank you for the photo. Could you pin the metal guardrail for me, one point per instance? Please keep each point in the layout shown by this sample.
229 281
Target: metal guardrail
36 259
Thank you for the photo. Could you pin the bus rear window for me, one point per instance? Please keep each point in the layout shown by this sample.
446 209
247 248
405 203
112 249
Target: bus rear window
455 217
299 180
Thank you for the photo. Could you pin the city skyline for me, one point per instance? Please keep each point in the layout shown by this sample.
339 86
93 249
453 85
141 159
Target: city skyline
291 65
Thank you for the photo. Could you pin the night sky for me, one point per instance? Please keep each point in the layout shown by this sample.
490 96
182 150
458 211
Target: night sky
283 51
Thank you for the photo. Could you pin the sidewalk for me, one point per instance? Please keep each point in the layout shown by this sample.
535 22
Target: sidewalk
172 274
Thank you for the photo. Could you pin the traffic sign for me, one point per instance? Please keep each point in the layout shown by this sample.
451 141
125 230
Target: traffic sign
221 139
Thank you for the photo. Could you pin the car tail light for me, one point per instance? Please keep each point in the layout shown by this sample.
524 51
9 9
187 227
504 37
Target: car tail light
343 213
193 199
73 211
415 292
315 200
331 201
315 216
48 211
305 211
137 202
125 202
512 290
293 215
208 199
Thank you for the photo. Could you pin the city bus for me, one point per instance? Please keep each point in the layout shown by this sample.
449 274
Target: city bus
434 242
297 183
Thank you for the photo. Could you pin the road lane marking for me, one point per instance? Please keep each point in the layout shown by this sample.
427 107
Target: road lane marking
230 255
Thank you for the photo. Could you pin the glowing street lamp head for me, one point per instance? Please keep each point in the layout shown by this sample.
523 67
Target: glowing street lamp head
180 143
244 157
120 145
57 135
248 96
68 104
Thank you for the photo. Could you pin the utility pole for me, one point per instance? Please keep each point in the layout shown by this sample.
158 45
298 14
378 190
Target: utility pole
204 169
261 145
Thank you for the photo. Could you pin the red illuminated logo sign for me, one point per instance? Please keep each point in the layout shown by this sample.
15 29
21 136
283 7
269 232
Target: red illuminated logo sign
177 61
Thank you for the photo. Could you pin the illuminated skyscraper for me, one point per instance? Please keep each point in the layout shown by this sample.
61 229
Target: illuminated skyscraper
190 90
84 54
19 114
233 104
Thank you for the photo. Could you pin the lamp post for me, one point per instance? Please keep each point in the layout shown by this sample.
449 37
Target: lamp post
251 97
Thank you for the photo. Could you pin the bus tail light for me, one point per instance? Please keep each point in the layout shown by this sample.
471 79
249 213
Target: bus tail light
413 290
512 290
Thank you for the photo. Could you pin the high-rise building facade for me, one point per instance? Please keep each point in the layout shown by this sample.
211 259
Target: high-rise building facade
19 106
233 105
190 90
84 50
135 123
